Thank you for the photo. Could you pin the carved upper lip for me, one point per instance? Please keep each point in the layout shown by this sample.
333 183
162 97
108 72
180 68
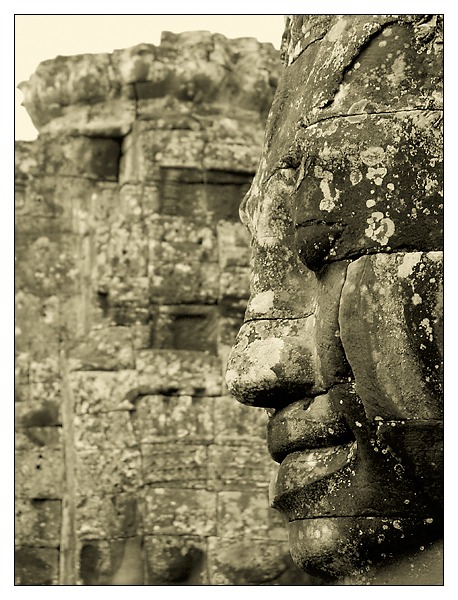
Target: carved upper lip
305 425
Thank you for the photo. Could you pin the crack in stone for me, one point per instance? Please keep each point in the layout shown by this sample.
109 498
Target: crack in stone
381 113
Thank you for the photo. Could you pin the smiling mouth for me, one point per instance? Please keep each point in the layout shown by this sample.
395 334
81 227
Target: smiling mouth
313 445
309 424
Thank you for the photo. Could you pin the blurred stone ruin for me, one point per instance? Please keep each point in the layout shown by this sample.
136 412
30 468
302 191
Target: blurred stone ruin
133 464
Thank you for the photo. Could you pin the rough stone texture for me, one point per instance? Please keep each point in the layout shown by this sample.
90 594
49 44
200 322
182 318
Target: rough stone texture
343 332
134 466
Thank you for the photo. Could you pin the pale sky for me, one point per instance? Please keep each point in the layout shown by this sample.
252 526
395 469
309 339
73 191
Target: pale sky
41 37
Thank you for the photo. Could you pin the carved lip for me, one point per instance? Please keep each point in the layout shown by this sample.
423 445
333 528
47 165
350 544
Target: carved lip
302 468
306 425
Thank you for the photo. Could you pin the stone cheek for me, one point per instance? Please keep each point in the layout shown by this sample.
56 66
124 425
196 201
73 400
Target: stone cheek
391 329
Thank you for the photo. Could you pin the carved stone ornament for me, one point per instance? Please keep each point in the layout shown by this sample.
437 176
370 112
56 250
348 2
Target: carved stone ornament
342 339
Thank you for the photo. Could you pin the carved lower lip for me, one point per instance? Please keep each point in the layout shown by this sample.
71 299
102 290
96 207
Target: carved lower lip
302 468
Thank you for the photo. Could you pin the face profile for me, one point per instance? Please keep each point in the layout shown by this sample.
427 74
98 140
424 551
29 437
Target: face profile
342 339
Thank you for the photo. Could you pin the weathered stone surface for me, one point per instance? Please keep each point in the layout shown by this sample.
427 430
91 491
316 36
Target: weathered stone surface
175 560
174 511
343 330
186 327
39 463
253 562
239 467
391 319
42 411
247 513
36 566
38 522
78 156
177 466
171 420
194 68
105 349
112 562
178 372
107 517
237 424
112 472
104 430
103 391
132 278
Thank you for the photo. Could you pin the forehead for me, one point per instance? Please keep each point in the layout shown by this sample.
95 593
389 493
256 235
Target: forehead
357 121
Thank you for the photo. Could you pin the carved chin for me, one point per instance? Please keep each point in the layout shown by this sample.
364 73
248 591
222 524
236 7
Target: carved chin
331 548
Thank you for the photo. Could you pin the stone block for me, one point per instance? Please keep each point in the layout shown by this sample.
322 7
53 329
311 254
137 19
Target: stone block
233 244
33 437
141 336
47 265
234 286
39 463
186 327
47 370
112 119
175 511
113 472
228 326
78 156
223 155
242 467
178 372
173 420
38 522
175 466
21 395
237 424
104 431
103 391
37 328
36 566
182 263
65 205
111 562
107 517
105 349
144 149
104 203
21 367
252 562
247 514
139 201
184 282
122 300
203 196
175 560
39 405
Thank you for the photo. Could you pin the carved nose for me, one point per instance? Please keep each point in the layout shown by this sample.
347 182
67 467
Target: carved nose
273 363
289 346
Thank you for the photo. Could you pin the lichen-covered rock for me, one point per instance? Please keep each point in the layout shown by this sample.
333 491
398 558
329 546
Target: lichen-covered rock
343 330
253 562
175 560
192 68
36 566
132 278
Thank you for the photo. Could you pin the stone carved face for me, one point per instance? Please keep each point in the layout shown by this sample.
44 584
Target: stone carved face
343 331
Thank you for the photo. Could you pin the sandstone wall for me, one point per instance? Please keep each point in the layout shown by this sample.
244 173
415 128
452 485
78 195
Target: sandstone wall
133 465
